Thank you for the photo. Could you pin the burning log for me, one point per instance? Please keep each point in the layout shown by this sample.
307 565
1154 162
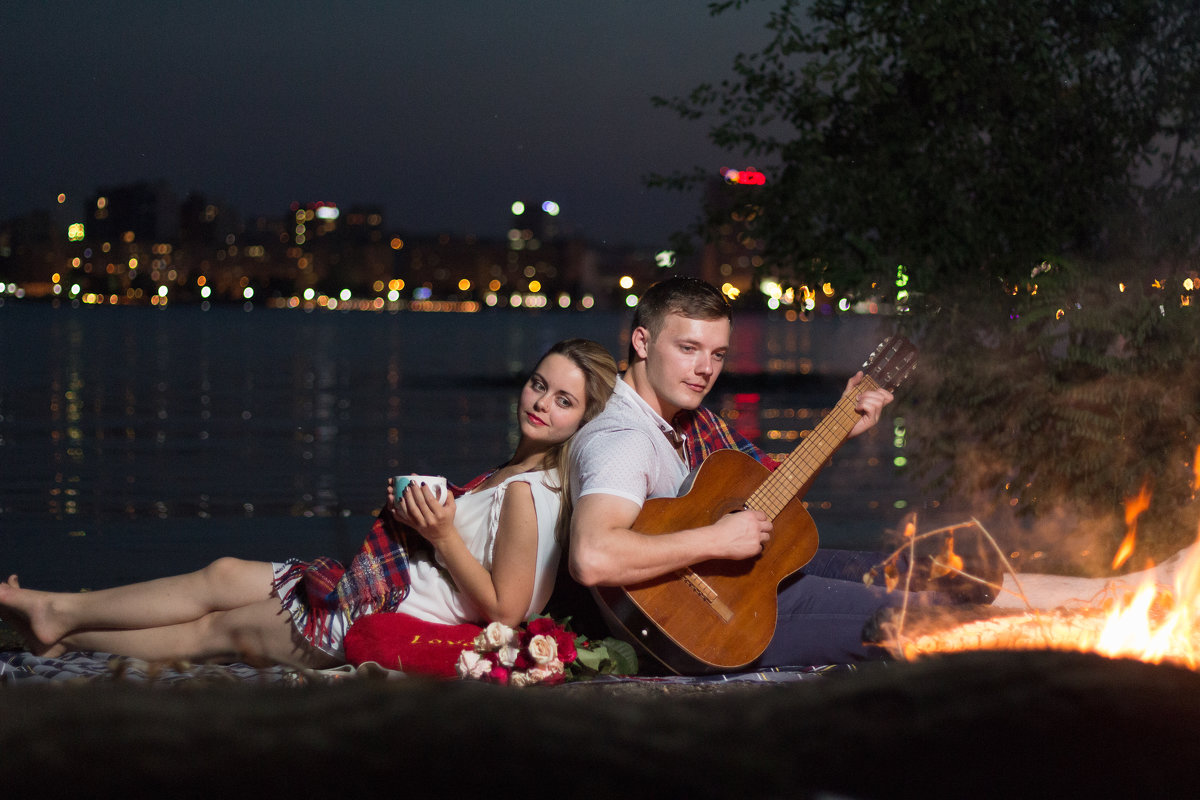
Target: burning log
1060 629
1153 621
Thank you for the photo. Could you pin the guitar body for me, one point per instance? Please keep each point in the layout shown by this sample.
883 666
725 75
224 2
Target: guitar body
717 614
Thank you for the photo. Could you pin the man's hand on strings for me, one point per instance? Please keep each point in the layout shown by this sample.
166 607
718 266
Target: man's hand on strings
870 404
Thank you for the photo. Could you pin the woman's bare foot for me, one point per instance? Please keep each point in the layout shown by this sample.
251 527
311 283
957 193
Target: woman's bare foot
30 613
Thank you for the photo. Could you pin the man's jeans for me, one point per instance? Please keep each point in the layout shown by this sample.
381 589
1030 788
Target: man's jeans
824 607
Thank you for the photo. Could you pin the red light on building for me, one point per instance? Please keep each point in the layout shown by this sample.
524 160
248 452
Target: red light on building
746 415
745 177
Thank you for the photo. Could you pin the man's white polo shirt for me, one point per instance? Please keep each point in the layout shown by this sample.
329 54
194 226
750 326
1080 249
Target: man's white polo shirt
626 452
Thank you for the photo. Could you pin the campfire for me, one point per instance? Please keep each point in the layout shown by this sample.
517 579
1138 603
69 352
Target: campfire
1155 619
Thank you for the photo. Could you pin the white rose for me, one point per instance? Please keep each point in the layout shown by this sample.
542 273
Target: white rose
508 655
549 671
472 665
494 636
518 678
543 649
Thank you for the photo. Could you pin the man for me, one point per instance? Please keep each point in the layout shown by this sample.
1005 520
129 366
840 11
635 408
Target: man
642 446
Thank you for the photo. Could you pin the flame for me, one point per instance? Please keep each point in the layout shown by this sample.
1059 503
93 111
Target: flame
1157 620
947 562
1196 471
1154 623
891 577
1126 548
1134 507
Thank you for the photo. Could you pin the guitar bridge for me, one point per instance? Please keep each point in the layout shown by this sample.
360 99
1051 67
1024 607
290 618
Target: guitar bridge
706 593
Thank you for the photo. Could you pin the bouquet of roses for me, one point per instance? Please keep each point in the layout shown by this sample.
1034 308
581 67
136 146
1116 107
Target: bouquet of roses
544 651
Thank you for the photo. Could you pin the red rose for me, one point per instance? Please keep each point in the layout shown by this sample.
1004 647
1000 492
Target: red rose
566 646
542 626
498 674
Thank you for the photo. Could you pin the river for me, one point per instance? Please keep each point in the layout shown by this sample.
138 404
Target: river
136 442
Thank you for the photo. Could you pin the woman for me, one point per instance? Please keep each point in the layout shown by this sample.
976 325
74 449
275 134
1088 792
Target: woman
489 555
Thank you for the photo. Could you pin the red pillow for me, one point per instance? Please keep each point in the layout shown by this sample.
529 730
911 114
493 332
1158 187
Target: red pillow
399 641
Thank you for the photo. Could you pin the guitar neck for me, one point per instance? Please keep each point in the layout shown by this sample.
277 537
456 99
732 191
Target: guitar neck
799 469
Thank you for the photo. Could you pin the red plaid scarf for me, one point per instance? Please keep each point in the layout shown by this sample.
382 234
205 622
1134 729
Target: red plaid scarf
376 580
705 432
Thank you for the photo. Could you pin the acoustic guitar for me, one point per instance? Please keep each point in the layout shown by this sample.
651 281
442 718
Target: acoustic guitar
719 615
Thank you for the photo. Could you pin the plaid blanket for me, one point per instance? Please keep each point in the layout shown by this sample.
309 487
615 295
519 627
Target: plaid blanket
376 580
18 667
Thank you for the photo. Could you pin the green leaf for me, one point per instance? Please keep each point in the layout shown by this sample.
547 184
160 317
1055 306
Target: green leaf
607 656
624 658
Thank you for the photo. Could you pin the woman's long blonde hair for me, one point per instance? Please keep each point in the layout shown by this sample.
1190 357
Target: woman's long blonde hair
600 377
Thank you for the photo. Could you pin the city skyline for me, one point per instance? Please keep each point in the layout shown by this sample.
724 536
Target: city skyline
443 116
141 244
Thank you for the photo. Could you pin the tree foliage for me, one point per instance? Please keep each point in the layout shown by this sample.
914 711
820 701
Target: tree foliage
1023 161
1087 395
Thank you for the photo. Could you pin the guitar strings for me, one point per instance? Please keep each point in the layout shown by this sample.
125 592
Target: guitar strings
798 468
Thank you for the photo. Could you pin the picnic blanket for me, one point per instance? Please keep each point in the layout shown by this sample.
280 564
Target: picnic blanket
19 667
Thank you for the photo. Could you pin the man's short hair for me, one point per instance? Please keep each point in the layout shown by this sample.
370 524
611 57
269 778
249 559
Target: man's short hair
689 297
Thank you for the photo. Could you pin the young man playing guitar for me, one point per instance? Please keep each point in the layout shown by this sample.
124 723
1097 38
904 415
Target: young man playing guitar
653 431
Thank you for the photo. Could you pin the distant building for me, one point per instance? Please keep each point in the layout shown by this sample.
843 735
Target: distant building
206 224
144 212
731 256
331 250
32 249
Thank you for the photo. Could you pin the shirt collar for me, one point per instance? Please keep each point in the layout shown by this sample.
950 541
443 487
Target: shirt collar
674 436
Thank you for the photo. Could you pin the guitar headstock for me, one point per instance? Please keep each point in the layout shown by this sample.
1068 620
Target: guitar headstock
891 363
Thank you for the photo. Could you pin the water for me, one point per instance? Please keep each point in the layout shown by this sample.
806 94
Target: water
137 442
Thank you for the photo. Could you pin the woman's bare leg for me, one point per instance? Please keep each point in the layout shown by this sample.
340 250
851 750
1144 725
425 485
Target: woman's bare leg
259 632
227 583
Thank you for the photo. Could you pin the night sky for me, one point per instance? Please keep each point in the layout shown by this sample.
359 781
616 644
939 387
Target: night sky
443 112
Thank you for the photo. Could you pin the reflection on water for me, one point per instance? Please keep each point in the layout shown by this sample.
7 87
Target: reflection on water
111 415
